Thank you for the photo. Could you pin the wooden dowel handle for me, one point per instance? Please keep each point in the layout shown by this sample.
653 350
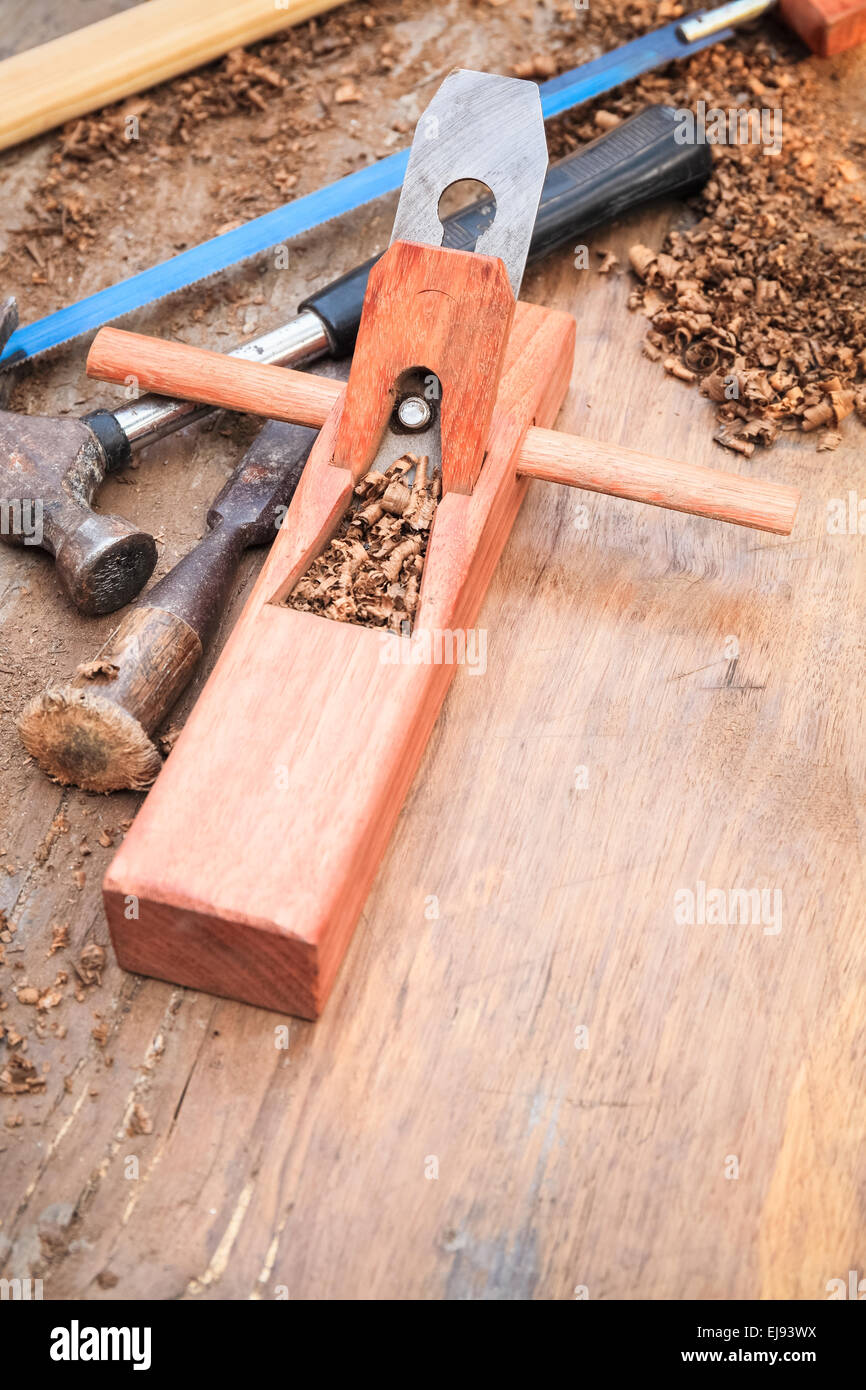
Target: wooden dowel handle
212 378
195 374
681 487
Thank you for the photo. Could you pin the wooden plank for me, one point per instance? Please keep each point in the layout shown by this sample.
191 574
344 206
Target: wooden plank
128 52
451 1037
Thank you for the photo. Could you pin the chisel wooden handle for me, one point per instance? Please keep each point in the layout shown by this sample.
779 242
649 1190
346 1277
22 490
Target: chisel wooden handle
96 731
196 374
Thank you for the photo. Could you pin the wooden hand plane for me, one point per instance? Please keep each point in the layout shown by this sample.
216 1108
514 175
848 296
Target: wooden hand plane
246 870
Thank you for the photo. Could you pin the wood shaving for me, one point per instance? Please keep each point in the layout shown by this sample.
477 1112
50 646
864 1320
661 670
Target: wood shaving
763 299
19 1077
59 937
370 573
91 670
91 964
139 1122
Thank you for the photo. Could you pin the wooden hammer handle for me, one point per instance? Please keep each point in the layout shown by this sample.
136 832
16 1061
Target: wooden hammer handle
195 374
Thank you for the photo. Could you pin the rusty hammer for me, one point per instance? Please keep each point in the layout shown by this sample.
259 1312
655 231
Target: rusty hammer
53 468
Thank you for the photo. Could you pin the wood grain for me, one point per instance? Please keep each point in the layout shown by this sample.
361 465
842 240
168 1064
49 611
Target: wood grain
827 26
448 313
319 724
200 375
128 52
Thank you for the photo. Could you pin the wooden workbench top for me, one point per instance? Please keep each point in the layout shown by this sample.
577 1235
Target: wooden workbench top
533 1078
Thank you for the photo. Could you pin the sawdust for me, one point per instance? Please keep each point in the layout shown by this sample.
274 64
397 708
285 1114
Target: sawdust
139 1121
370 573
20 1077
91 964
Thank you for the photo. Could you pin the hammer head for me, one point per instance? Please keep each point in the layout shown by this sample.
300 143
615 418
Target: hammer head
49 472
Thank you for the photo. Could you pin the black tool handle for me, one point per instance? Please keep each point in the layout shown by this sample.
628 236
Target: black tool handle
638 160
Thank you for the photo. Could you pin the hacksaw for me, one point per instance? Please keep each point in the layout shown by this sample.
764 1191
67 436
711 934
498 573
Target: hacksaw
314 210
827 26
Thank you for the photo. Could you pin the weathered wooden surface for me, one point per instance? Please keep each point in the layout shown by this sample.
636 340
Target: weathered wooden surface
448 1044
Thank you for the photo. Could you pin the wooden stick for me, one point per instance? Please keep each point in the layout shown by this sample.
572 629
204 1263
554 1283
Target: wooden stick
682 487
212 378
195 374
87 69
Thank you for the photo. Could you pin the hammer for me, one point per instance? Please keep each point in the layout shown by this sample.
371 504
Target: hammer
58 464
95 732
55 466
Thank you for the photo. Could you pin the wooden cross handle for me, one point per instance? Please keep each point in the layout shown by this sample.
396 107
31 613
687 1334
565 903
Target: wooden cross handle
195 374
681 487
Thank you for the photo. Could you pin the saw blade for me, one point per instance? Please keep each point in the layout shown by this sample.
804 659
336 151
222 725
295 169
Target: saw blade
316 209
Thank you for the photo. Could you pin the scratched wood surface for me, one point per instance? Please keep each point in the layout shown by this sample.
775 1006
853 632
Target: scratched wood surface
667 701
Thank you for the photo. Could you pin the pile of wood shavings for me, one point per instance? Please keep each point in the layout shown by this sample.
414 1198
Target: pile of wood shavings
755 304
371 571
766 294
